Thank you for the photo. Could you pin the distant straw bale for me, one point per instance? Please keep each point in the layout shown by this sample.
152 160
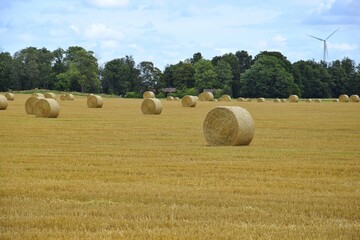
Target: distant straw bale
248 100
176 99
3 102
188 101
309 100
206 96
63 97
10 96
95 101
69 97
277 100
225 98
293 98
151 106
354 98
241 99
283 100
170 98
261 99
344 98
336 100
47 108
148 94
228 126
38 95
30 104
318 100
50 95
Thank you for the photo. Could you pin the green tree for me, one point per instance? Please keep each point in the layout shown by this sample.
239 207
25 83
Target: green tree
224 76
86 64
6 62
183 75
67 80
205 75
267 77
196 57
150 76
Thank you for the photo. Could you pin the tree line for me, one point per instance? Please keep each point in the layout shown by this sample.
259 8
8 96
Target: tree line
268 74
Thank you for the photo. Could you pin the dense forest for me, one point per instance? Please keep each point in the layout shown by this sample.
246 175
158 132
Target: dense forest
268 74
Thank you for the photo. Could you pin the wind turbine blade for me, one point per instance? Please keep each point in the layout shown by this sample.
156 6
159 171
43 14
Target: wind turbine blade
317 38
331 34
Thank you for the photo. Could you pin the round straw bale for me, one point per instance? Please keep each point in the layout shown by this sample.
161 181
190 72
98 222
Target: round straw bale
95 101
170 98
148 94
241 99
10 96
206 96
30 104
63 97
344 98
176 99
277 100
225 98
354 98
293 98
336 100
50 95
89 95
47 108
309 100
318 100
188 101
228 126
261 99
38 95
3 102
283 100
69 97
151 106
248 100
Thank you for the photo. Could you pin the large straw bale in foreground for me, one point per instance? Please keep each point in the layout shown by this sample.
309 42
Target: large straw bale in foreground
188 101
10 96
293 98
227 125
354 98
225 98
95 101
206 96
47 108
3 102
50 95
30 104
151 106
148 94
344 98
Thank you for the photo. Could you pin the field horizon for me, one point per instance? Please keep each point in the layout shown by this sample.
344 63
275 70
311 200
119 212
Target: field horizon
115 173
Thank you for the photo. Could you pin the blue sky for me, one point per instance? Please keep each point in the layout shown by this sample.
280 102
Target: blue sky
167 31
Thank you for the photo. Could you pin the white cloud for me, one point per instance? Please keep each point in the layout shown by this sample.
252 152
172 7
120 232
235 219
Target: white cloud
109 44
342 46
108 3
100 31
75 28
279 39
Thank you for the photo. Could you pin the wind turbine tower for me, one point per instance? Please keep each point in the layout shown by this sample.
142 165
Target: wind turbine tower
324 40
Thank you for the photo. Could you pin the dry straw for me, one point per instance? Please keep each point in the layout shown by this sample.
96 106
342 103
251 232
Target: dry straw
283 100
170 98
309 100
188 101
30 104
336 100
63 97
318 100
241 99
50 95
94 101
344 98
277 100
261 99
225 98
69 97
151 106
354 98
38 95
10 96
224 126
148 94
248 100
3 102
206 96
47 108
293 98
176 99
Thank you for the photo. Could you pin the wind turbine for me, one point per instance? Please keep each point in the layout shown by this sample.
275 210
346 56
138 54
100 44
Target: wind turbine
324 40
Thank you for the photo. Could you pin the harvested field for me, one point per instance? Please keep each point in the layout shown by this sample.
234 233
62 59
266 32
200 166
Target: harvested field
120 174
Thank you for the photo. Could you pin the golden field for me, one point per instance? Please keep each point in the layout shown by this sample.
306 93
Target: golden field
115 173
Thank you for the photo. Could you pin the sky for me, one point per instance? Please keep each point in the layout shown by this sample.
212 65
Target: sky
168 31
